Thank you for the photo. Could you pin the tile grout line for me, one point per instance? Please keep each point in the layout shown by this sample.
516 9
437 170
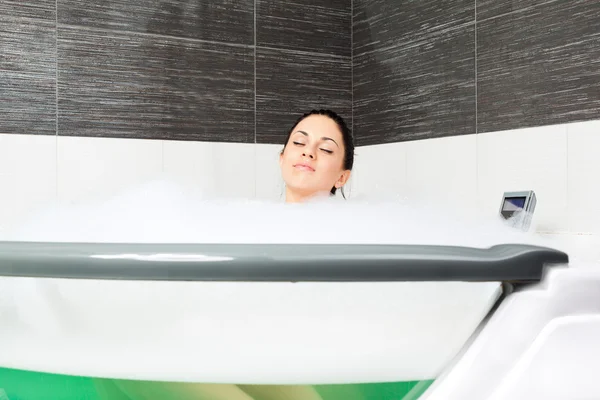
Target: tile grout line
567 217
476 110
162 168
255 1
405 183
56 99
255 108
352 68
476 120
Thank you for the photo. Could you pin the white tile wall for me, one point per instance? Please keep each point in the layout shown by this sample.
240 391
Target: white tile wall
217 169
583 249
269 183
525 159
90 169
27 175
561 163
584 177
380 170
443 170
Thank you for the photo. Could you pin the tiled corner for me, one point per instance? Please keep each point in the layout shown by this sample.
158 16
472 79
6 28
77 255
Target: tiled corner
291 83
92 169
27 176
318 26
538 66
229 21
269 183
380 172
443 170
419 90
214 169
584 176
525 159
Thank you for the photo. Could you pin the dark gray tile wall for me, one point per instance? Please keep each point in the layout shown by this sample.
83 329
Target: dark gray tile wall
379 24
419 65
414 69
494 8
142 86
28 67
243 70
309 25
229 21
420 91
303 61
175 69
539 65
289 83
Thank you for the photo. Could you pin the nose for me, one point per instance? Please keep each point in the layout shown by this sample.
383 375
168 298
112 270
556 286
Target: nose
308 152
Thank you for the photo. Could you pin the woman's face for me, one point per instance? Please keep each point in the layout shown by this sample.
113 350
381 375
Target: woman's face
313 159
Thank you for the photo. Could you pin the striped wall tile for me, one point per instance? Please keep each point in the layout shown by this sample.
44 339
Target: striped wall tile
290 83
418 90
130 85
230 21
28 67
314 25
539 66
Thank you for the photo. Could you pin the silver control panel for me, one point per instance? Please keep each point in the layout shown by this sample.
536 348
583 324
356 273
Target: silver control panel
518 208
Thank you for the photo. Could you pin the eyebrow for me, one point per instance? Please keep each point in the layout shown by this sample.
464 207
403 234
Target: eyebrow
323 138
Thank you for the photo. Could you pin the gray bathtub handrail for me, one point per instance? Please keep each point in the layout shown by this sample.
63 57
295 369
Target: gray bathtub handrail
516 263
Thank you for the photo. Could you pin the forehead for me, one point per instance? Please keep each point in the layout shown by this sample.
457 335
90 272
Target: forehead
318 126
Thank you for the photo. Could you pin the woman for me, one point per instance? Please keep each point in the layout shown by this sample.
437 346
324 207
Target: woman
317 156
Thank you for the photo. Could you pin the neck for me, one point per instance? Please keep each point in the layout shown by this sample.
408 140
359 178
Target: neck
296 197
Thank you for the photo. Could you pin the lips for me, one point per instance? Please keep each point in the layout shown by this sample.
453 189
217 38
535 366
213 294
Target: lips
304 167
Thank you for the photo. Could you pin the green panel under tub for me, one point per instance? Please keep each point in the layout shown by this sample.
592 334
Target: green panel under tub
26 385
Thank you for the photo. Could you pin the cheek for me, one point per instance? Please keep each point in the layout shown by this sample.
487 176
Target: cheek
335 163
286 162
332 167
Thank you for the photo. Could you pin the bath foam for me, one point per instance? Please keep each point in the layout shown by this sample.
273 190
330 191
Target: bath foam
162 211
217 340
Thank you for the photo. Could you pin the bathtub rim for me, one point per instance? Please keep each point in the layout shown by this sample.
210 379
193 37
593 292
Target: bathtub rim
513 263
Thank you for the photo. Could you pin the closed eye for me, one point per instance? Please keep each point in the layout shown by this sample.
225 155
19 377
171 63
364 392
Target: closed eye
327 151
299 144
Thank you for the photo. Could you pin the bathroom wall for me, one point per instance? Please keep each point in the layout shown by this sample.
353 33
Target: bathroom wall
459 101
431 68
100 96
471 172
202 95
